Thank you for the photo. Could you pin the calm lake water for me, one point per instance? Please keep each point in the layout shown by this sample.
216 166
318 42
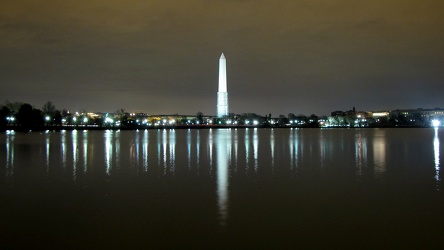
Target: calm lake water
222 188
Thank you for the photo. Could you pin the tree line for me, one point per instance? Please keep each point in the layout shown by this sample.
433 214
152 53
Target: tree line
25 116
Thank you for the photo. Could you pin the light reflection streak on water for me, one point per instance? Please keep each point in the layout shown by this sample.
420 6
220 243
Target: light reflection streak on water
164 152
134 144
85 151
436 156
108 151
294 149
210 149
159 143
223 141
198 149
236 143
63 145
132 151
10 134
247 150
172 147
255 149
137 145
379 152
189 148
116 141
322 147
74 154
145 150
230 148
360 152
91 155
299 147
48 147
272 150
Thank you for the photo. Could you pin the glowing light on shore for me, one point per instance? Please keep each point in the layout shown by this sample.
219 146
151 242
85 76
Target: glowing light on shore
436 123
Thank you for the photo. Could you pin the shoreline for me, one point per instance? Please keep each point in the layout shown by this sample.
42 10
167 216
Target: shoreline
101 128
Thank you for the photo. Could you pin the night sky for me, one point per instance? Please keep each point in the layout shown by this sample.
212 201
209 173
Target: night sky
161 57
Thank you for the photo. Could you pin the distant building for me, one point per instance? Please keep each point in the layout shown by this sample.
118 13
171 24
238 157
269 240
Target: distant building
426 113
338 113
416 117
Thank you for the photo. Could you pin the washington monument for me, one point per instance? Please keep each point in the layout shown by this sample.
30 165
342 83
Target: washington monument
222 93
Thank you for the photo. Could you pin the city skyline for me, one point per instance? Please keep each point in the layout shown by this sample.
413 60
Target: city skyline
288 57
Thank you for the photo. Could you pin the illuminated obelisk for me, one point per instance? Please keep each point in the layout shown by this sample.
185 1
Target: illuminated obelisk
222 94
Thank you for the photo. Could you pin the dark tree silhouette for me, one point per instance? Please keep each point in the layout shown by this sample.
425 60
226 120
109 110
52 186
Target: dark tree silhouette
37 117
13 107
120 115
24 116
199 117
48 108
57 117
28 117
4 113
314 121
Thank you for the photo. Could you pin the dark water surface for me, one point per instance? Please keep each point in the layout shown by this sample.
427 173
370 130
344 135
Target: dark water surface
222 188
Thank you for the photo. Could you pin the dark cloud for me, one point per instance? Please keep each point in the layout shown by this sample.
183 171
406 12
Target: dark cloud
283 56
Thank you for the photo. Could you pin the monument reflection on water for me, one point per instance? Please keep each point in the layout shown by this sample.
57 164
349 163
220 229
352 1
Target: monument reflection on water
436 154
223 158
229 177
